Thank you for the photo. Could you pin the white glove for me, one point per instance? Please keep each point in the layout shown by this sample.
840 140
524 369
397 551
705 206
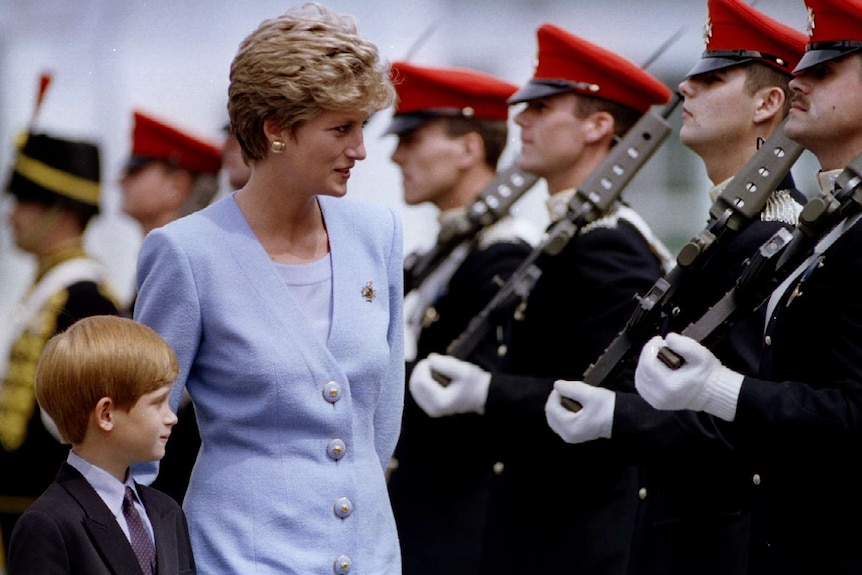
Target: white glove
701 383
467 391
593 421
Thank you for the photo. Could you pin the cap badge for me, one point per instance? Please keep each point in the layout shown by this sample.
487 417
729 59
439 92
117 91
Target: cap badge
707 30
810 29
368 292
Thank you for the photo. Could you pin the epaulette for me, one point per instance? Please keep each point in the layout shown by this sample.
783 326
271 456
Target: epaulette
781 207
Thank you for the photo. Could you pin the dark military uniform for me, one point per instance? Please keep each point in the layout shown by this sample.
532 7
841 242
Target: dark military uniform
801 421
559 506
441 487
695 491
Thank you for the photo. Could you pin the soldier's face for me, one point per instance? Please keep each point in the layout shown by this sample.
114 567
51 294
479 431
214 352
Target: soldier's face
429 160
717 111
552 137
152 194
826 110
31 223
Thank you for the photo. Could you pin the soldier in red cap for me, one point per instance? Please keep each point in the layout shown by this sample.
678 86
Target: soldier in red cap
56 186
557 507
796 419
696 492
451 128
170 173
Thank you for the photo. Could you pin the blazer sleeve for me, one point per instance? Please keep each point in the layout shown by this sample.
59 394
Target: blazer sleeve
167 302
387 418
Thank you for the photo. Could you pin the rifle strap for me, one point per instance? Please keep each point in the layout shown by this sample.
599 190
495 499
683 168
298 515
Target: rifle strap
811 260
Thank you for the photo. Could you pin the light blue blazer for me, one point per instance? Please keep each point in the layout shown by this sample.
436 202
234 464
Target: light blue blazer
296 432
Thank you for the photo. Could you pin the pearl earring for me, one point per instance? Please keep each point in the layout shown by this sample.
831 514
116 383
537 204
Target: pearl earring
277 147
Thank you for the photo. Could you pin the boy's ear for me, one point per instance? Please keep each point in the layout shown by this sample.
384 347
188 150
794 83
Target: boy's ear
104 414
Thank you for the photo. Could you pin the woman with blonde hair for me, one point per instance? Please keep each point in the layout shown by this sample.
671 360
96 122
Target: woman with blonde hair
283 304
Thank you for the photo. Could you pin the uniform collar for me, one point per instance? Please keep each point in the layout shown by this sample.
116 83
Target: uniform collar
48 262
717 189
451 221
826 179
558 204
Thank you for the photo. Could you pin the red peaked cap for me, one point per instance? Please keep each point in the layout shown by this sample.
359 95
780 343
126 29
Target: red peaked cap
153 140
736 33
425 93
570 64
834 30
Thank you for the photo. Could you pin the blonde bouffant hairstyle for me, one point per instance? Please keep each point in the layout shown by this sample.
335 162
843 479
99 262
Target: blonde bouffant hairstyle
100 356
293 67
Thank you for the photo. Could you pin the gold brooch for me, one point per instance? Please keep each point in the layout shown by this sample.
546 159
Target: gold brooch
368 292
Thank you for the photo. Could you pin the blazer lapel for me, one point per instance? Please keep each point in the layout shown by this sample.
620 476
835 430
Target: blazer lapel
255 263
100 523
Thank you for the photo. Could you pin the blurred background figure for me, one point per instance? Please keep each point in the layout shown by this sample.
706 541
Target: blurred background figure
55 183
451 129
170 173
236 170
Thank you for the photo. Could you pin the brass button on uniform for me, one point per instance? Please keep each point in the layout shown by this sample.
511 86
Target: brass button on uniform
767 340
756 479
642 493
498 468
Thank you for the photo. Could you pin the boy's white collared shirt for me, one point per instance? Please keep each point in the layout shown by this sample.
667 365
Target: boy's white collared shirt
111 491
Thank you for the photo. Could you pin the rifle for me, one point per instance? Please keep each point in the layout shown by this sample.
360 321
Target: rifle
738 205
777 259
592 200
491 204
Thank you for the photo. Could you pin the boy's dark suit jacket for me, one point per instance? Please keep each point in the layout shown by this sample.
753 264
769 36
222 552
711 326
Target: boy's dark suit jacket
69 529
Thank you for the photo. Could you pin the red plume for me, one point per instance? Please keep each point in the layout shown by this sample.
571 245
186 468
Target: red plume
44 81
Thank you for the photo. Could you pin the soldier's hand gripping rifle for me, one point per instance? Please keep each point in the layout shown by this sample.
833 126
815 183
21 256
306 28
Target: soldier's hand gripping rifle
492 204
738 204
592 200
776 260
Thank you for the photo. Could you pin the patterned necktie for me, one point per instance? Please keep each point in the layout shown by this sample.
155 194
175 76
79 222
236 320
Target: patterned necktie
142 545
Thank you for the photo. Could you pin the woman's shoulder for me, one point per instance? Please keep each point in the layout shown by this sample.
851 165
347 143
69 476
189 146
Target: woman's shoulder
217 216
357 214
